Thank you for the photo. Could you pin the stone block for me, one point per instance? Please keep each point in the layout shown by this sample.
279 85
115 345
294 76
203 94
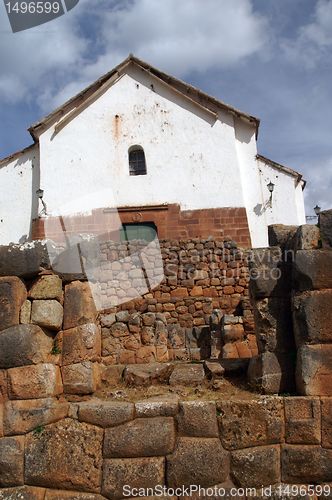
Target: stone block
231 333
198 419
48 286
268 273
307 237
245 424
197 461
82 343
47 314
21 417
256 467
107 320
313 269
137 472
22 493
24 345
24 261
154 373
282 236
25 313
273 322
79 306
70 495
214 369
111 375
325 226
146 354
164 405
81 378
327 422
11 461
142 437
12 296
105 413
272 372
34 382
3 386
187 374
303 420
312 313
67 454
314 370
306 464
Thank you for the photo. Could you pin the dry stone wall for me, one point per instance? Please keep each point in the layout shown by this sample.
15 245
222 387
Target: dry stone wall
292 299
200 309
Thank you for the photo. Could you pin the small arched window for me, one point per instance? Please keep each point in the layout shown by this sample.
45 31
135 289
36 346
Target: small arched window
137 163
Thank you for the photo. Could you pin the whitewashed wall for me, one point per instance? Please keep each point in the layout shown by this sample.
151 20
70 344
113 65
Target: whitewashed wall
19 180
191 158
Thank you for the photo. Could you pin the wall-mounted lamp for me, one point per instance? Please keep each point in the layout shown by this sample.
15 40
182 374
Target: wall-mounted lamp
40 194
317 210
270 187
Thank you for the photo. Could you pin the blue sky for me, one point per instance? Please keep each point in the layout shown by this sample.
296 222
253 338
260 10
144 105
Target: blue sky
270 58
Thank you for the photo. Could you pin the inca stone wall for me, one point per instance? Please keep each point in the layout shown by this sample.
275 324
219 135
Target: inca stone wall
292 299
199 309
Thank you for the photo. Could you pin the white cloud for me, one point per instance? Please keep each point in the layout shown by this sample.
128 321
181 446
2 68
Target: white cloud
313 41
179 37
319 187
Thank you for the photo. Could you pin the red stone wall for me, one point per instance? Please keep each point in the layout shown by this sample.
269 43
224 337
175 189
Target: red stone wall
171 222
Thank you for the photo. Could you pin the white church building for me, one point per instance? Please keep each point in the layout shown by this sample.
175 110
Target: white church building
140 152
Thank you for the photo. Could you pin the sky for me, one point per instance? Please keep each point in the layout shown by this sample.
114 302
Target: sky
269 58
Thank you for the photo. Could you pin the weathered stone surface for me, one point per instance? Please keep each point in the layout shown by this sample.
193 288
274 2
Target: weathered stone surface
166 405
70 495
154 373
12 295
327 422
268 274
25 313
306 464
232 366
79 306
197 461
80 378
105 413
111 375
314 370
22 493
48 286
3 386
198 419
273 324
24 261
136 472
82 343
313 317
143 437
325 226
24 416
47 313
251 423
273 372
214 369
11 461
281 235
307 237
66 455
303 419
37 381
1 419
187 374
24 345
313 269
256 467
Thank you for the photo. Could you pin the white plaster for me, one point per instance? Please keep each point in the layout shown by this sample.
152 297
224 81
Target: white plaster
193 159
18 203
